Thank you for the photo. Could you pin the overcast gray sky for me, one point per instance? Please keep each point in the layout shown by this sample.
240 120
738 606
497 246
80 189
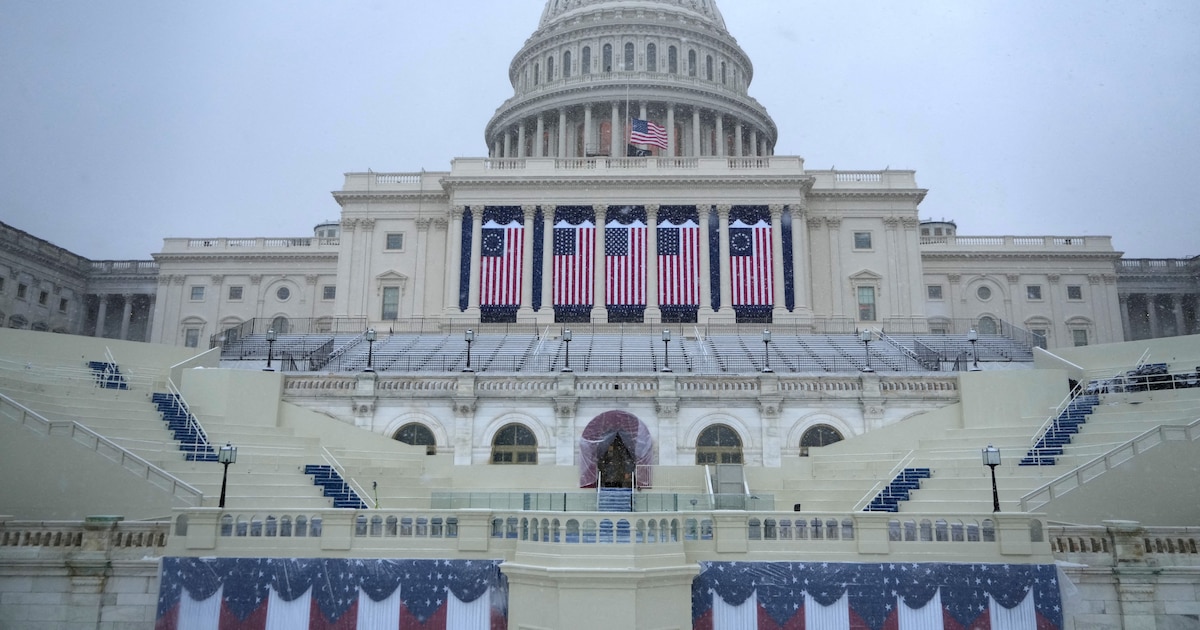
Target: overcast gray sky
125 122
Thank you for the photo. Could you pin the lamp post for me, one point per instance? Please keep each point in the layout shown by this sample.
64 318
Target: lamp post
666 351
865 335
370 350
991 459
767 351
566 336
226 455
973 336
469 335
270 348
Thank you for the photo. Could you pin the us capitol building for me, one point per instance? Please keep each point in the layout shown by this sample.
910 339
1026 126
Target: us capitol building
631 369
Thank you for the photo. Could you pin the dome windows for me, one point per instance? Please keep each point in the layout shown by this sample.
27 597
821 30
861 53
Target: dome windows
608 58
585 59
692 63
566 67
549 69
708 68
629 57
651 58
673 60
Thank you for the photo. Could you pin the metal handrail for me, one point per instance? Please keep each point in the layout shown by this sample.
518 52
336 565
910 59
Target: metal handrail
879 485
341 471
192 420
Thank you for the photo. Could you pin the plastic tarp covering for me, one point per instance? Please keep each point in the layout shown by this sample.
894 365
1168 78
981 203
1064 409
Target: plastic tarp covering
601 432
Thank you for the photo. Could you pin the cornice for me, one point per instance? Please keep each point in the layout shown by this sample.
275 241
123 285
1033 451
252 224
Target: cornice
224 256
803 182
539 42
345 196
1011 255
915 193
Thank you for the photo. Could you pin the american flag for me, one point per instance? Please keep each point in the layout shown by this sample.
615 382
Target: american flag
679 264
574 249
899 596
625 264
646 132
750 263
500 264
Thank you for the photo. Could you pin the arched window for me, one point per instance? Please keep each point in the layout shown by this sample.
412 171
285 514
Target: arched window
708 68
514 444
537 71
416 434
691 63
585 60
988 326
567 65
651 58
673 60
549 69
629 56
17 321
724 75
607 61
719 444
819 435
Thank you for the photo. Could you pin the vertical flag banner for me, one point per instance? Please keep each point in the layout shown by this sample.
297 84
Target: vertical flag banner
625 264
678 264
319 594
500 264
891 596
648 133
574 247
750 264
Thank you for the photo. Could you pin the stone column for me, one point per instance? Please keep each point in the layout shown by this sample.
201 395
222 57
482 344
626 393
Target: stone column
726 284
801 276
737 139
102 312
666 406
521 139
838 282
1177 307
476 243
564 422
527 246
453 259
705 266
587 128
754 152
779 303
507 144
652 306
1152 313
696 132
1123 304
151 316
127 312
422 266
719 150
562 132
614 137
599 297
671 130
539 142
464 430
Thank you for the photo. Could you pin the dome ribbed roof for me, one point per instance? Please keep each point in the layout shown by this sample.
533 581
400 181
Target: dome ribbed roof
707 9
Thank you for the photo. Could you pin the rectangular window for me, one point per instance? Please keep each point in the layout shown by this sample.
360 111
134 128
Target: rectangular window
391 303
862 240
62 305
197 294
1080 337
1033 291
328 292
235 294
395 242
191 337
21 289
934 291
1074 292
43 297
866 304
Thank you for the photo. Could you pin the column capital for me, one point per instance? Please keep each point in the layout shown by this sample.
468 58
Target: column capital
367 225
424 224
833 222
776 210
441 223
1012 278
127 297
815 223
312 279
891 222
723 211
529 210
601 213
652 208
348 225
458 209
217 279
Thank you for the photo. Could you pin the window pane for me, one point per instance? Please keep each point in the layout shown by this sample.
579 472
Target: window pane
866 304
329 292
1074 292
935 291
197 293
391 303
395 241
1033 292
1080 337
235 293
862 240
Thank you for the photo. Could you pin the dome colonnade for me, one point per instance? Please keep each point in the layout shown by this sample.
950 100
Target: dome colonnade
594 64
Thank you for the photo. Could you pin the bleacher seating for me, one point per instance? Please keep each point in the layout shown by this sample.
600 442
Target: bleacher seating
888 500
108 375
334 487
192 441
1058 434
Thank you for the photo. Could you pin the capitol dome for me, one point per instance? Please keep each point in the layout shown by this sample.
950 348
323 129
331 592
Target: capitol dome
593 67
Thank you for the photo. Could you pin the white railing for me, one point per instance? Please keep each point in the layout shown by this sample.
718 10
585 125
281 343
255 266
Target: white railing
103 446
192 421
885 481
1087 472
341 470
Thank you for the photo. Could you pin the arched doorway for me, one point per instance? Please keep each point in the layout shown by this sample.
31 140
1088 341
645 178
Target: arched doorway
616 465
819 435
622 443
